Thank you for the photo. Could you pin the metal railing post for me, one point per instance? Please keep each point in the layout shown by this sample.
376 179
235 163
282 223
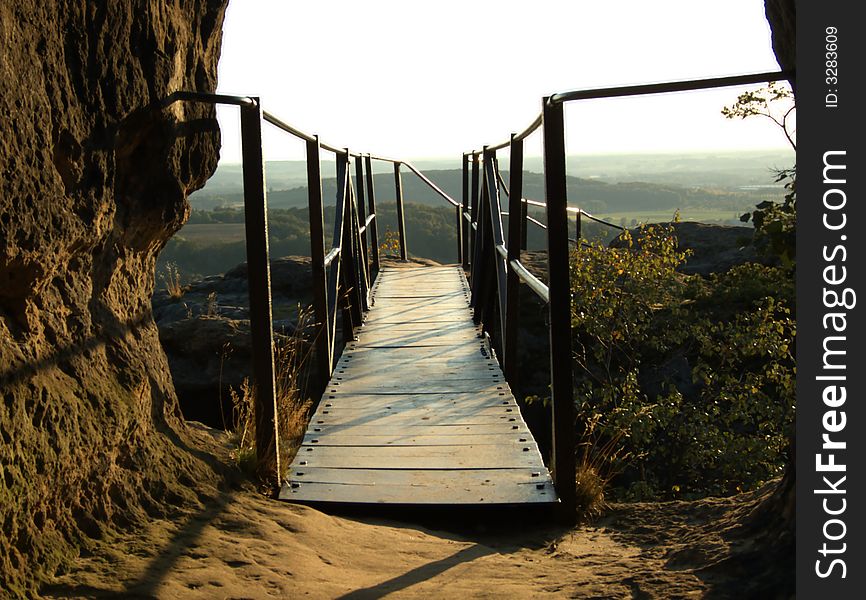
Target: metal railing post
577 229
512 304
524 219
259 277
473 219
357 255
362 214
350 294
458 212
562 394
401 224
478 280
374 224
497 240
335 273
465 227
317 260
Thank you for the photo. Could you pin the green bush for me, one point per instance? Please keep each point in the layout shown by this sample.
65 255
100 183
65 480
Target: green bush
693 376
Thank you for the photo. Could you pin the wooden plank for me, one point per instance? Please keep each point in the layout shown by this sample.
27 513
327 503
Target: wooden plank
472 350
412 292
419 380
420 412
459 477
429 282
406 303
421 457
443 313
373 363
406 339
400 420
478 486
456 326
417 494
389 386
410 400
403 439
386 364
421 429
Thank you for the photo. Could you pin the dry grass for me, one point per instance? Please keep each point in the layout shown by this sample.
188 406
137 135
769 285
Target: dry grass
171 278
599 459
293 407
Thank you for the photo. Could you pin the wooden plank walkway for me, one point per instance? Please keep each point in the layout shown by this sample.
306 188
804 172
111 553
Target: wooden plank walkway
417 411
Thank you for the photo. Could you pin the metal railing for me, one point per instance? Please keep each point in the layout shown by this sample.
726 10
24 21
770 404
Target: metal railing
492 255
343 277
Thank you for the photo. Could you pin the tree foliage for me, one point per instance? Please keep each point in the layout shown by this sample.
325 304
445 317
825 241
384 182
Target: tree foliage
694 376
775 223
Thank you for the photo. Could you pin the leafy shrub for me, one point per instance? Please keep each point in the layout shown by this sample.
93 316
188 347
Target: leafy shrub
692 378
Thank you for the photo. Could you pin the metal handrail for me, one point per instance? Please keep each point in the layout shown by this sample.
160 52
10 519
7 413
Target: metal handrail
644 89
432 185
571 209
518 137
484 238
487 248
668 86
208 98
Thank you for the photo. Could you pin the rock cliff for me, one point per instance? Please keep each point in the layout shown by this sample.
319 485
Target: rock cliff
94 181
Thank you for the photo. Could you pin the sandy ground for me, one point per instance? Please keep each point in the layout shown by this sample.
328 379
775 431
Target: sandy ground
241 544
247 546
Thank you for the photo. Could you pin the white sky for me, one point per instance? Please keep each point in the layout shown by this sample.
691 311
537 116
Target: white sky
433 80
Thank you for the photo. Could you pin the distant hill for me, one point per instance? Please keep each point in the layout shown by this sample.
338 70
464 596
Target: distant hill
730 171
596 196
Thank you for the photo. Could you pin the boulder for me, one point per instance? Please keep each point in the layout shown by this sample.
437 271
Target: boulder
206 333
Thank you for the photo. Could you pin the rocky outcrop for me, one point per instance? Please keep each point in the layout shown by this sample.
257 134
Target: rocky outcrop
782 16
205 333
95 180
712 248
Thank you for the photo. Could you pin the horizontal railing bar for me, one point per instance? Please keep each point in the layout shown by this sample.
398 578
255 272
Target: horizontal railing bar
669 86
298 133
208 97
430 184
602 221
502 250
385 159
571 209
543 205
574 209
520 136
420 175
651 88
536 221
533 282
334 253
366 224
280 124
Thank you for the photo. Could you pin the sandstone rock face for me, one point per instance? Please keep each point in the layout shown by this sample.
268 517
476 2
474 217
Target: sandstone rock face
94 181
782 16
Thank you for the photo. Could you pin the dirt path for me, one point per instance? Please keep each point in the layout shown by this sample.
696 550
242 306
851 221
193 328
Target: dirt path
246 546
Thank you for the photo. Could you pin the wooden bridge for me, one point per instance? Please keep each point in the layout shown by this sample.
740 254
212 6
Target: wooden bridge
417 404
418 410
